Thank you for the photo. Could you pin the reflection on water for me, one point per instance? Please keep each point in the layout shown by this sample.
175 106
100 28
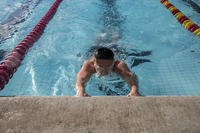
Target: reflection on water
2 54
112 22
8 27
192 4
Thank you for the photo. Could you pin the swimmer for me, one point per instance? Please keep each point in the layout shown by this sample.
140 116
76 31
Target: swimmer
103 63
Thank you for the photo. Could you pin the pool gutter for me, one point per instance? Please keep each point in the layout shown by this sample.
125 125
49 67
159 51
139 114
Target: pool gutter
100 114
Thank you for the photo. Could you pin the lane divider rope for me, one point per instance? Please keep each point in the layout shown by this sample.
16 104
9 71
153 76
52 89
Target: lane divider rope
183 20
13 60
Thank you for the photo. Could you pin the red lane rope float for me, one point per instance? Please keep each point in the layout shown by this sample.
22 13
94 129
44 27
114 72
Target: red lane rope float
184 20
13 60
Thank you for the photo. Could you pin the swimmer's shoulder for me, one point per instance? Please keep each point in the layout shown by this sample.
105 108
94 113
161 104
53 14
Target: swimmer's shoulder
119 65
89 66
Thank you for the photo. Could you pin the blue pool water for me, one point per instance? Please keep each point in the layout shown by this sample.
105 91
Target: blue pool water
164 56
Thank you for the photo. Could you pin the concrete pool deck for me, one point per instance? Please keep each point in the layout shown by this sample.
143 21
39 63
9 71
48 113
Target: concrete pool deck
100 115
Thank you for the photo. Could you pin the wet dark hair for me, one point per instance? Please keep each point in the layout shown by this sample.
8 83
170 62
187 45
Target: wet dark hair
104 53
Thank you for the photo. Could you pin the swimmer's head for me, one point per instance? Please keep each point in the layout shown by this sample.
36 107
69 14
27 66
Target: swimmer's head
104 61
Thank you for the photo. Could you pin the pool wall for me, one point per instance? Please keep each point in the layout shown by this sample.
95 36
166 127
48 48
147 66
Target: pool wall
100 114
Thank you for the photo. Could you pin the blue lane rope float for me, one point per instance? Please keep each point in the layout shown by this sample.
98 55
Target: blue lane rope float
13 60
183 20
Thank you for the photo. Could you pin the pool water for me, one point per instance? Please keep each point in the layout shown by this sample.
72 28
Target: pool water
164 56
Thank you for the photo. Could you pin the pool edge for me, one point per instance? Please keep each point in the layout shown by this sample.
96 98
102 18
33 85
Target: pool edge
100 114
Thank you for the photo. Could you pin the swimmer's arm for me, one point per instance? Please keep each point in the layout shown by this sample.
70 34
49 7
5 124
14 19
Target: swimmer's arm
82 78
129 77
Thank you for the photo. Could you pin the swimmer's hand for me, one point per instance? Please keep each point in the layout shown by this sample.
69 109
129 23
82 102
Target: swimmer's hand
133 93
81 94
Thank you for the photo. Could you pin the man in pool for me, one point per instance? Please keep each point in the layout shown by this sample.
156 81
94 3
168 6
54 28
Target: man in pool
103 63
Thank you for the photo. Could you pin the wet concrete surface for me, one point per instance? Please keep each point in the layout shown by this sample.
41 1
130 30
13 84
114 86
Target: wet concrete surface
100 115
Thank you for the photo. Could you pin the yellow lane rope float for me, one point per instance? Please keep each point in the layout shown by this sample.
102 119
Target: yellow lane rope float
183 20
